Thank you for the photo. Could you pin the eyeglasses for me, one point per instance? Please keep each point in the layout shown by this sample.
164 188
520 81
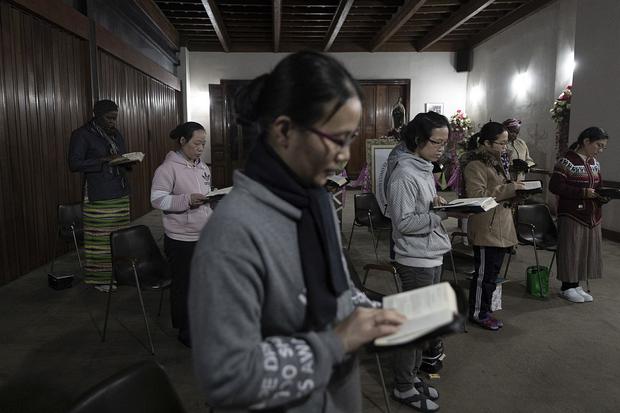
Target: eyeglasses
438 143
348 139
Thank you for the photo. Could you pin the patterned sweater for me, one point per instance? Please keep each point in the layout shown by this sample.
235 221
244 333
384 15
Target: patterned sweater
571 176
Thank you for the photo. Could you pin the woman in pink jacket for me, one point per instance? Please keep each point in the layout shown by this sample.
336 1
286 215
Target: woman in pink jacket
179 189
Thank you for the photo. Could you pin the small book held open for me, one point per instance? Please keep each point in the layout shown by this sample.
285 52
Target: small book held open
128 158
427 309
531 186
337 180
219 192
469 205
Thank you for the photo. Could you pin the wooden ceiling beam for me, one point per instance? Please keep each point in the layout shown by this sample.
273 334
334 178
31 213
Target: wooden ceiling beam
396 22
464 13
217 22
339 18
511 18
277 24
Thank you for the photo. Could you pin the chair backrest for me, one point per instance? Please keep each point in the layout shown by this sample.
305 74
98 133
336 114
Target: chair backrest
136 243
364 204
70 215
539 216
144 387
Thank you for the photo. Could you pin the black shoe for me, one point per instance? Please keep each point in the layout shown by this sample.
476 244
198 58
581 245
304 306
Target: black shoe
184 338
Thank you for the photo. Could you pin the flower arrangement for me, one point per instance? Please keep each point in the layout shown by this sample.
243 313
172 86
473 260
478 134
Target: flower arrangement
561 107
560 113
460 122
461 127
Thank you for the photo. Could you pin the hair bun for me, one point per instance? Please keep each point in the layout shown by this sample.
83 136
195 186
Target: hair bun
176 133
247 98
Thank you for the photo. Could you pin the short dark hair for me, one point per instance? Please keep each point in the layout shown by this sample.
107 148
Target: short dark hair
299 87
420 129
104 106
488 132
593 134
185 130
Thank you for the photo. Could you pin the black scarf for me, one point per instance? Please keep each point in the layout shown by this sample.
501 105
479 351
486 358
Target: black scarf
320 251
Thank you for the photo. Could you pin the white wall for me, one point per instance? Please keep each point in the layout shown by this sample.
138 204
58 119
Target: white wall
532 48
596 98
433 78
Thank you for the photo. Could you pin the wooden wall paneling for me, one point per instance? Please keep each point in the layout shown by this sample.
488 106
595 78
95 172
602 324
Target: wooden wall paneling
148 111
383 111
42 75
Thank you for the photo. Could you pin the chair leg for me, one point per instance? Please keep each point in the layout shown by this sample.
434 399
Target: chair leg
351 236
385 393
146 323
552 259
396 280
77 249
507 266
365 277
107 309
53 255
453 267
374 243
161 301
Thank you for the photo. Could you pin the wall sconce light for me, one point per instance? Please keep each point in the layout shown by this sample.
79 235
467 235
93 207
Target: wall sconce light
476 94
521 84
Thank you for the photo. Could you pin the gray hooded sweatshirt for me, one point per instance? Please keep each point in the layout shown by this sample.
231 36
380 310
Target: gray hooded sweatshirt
420 239
247 305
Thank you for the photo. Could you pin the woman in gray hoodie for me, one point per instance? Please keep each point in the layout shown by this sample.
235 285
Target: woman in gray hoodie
272 310
420 241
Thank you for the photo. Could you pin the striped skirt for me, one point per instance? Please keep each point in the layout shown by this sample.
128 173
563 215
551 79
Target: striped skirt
580 254
100 219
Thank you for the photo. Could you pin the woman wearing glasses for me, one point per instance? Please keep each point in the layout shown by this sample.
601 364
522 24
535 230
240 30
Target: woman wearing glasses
272 312
420 241
575 178
491 233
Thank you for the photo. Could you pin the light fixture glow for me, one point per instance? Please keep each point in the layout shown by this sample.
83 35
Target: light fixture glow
477 94
521 84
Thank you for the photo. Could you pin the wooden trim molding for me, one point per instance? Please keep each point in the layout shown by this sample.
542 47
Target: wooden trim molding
58 13
154 13
115 46
611 235
75 22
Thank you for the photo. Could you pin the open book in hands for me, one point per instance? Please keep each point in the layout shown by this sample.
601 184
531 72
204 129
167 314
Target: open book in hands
531 186
427 309
128 158
219 192
468 205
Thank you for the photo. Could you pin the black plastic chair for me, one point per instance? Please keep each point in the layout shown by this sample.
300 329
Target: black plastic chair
144 387
535 227
70 230
368 214
137 261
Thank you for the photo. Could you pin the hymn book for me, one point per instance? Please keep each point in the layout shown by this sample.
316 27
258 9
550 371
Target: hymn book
219 192
426 309
128 158
468 205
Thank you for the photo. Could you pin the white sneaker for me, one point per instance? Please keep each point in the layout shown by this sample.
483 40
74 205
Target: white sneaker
586 297
572 295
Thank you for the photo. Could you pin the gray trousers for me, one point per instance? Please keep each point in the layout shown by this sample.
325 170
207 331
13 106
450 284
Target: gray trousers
406 362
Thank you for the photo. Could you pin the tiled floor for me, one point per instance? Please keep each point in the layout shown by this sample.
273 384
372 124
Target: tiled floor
551 356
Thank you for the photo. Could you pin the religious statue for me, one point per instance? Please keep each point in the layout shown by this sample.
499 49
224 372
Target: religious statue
399 115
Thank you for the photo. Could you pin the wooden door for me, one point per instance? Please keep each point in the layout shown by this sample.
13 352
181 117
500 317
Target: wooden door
380 96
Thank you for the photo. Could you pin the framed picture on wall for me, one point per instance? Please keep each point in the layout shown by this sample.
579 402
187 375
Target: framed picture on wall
435 107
